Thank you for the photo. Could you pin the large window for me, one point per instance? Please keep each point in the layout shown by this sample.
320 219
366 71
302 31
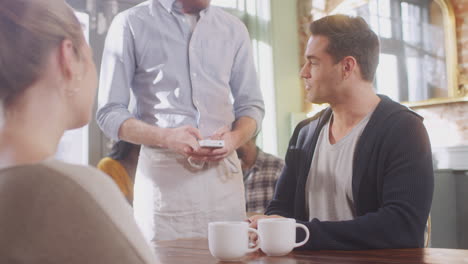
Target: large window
257 17
417 62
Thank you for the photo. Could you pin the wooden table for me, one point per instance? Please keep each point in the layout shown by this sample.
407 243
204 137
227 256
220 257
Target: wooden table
195 251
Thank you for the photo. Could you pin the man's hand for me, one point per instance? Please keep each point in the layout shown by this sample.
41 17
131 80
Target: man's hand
231 142
253 220
183 140
242 131
253 223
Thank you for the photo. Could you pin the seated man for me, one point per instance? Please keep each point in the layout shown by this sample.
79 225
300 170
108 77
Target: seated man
359 174
261 171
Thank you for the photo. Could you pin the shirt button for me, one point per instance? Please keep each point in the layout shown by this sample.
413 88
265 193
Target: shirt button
194 74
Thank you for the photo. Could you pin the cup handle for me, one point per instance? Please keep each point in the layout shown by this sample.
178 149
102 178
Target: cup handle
307 235
250 250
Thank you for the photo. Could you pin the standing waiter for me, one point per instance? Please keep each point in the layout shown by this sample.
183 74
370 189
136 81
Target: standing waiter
190 68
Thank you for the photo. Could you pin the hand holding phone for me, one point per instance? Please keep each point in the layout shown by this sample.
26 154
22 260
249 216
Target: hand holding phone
211 143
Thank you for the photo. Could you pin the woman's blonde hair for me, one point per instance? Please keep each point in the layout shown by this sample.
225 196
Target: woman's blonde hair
29 31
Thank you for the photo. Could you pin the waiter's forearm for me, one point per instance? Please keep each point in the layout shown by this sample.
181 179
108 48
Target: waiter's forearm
138 132
243 130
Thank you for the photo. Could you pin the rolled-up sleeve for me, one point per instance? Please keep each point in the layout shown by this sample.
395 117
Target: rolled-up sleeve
117 70
248 99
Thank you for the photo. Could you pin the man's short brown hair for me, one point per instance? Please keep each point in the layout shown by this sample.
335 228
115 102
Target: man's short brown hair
350 36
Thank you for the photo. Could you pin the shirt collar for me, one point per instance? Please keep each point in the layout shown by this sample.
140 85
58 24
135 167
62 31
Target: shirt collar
168 5
204 11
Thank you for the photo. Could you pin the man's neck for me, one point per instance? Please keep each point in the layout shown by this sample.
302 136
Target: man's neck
185 7
350 109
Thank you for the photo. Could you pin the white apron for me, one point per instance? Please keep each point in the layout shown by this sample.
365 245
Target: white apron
173 199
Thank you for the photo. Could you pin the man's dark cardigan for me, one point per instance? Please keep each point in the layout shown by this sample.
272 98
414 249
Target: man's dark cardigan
392 183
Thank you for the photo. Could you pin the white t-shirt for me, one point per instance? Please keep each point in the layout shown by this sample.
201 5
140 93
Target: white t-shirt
329 194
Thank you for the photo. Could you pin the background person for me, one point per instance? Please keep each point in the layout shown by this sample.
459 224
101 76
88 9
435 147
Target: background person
261 171
121 165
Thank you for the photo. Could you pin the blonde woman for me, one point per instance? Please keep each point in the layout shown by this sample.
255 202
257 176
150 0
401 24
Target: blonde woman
52 212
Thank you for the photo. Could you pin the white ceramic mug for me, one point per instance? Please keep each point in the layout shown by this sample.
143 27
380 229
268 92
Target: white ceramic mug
229 241
278 235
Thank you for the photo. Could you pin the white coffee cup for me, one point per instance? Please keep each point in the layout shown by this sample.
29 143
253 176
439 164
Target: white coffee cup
278 235
229 241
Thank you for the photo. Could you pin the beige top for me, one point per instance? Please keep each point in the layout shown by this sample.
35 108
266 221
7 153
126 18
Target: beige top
53 212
